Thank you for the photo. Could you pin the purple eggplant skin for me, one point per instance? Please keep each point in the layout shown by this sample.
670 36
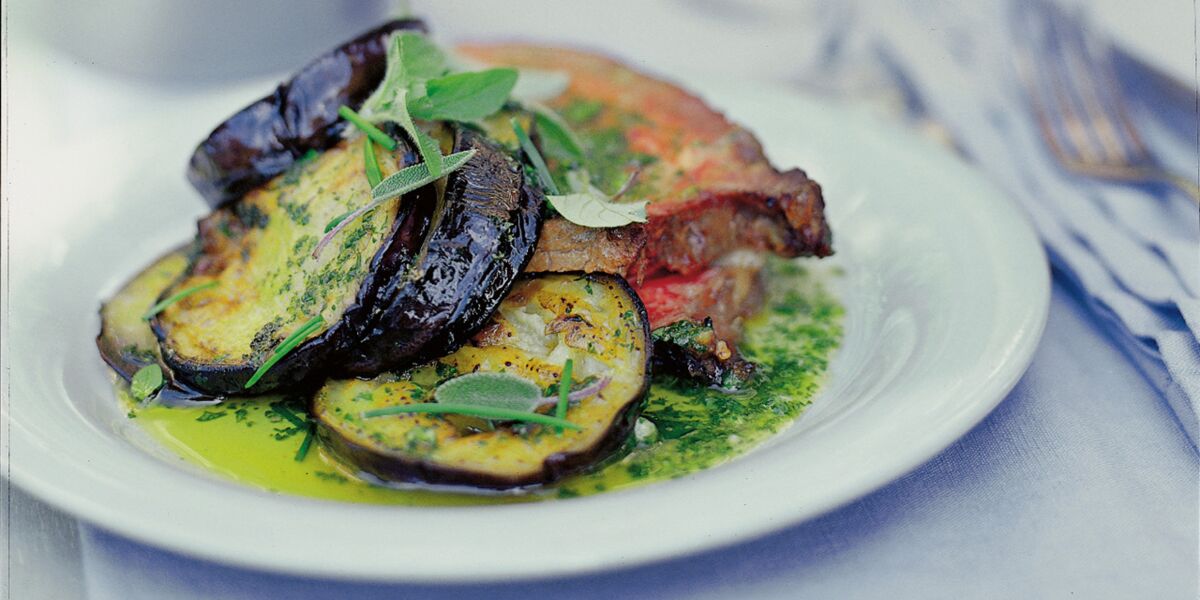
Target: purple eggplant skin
484 235
265 138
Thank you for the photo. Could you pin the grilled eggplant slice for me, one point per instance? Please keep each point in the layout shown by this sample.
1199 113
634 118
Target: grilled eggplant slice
259 251
403 284
126 342
485 233
265 138
596 320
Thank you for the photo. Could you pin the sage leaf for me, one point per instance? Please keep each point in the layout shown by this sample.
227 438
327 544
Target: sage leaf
393 186
411 58
147 381
464 96
490 390
426 145
590 207
596 210
421 58
410 178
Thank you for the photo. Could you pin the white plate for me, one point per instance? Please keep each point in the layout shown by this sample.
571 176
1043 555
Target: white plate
946 296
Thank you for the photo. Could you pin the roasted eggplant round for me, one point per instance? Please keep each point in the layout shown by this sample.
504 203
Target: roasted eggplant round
410 280
484 233
126 342
595 320
265 138
259 251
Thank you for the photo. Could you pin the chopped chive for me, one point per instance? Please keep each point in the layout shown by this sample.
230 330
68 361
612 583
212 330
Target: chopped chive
564 391
303 451
176 297
485 412
374 176
284 347
370 130
535 157
287 413
300 332
334 222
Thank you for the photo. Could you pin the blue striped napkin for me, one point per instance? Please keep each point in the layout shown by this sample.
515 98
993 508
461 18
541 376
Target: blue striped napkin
1133 250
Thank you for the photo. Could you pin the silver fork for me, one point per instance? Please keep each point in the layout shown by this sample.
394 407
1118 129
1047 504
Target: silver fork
1080 109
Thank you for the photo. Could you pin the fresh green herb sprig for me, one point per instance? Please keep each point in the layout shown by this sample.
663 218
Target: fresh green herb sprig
588 206
371 163
147 381
585 205
280 409
417 84
490 390
302 451
367 128
397 184
176 297
561 141
287 345
484 412
564 391
535 158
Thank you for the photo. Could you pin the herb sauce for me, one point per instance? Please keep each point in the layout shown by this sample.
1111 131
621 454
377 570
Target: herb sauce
257 441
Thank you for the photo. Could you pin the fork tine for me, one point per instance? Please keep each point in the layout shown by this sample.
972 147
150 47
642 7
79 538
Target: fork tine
1095 144
1107 111
1059 77
1034 92
1041 90
1077 102
1105 131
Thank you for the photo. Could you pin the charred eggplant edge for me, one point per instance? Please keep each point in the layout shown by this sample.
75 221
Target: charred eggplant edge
266 137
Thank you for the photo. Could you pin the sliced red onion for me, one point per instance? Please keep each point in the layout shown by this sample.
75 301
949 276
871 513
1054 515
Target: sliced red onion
589 390
584 392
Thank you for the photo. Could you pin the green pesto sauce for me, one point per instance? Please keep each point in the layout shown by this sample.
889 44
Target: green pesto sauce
256 441
602 131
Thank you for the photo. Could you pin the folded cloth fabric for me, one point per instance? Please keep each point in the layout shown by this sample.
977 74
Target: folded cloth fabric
1133 249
